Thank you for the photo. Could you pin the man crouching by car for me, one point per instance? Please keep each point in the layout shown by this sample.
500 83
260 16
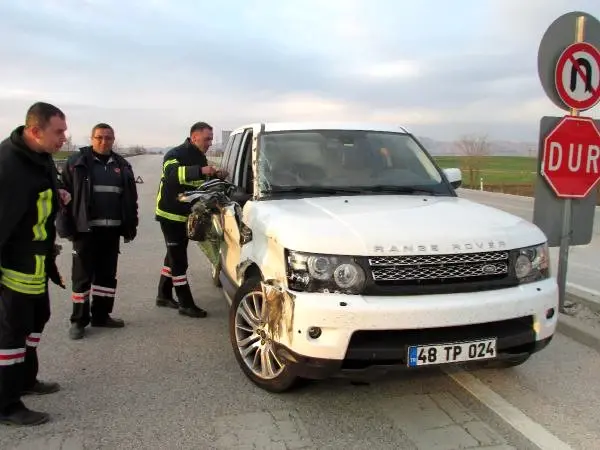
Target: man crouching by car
104 207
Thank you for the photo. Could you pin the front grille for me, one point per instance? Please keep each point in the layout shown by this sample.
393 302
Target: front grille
436 269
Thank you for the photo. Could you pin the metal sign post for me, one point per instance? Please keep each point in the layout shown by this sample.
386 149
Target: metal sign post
565 241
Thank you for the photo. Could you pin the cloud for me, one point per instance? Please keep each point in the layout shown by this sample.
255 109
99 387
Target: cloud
152 67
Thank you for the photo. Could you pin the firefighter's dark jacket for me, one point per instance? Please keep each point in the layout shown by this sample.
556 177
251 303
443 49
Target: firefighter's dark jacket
75 178
28 207
181 171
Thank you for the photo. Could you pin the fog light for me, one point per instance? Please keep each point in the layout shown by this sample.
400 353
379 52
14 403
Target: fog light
550 313
314 332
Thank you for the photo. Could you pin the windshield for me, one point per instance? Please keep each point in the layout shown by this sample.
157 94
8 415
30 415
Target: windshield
345 161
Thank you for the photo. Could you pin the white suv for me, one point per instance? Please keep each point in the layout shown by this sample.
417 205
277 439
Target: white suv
347 250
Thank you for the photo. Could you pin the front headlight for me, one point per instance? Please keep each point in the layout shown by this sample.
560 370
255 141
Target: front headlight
324 273
532 263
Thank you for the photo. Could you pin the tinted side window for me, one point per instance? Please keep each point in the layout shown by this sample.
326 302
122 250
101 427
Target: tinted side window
232 158
241 159
226 152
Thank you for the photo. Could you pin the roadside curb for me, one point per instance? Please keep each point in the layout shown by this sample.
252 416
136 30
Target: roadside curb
579 331
575 328
587 297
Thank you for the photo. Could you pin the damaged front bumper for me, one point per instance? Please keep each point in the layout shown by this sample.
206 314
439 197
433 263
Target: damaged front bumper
322 335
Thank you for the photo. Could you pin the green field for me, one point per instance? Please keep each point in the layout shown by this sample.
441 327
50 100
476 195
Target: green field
62 155
495 170
510 174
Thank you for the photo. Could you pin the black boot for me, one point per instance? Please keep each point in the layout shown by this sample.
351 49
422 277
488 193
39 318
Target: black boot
76 331
187 307
20 415
164 298
108 322
41 388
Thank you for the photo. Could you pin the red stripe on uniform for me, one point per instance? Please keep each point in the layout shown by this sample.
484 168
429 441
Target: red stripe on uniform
180 280
15 356
9 357
79 297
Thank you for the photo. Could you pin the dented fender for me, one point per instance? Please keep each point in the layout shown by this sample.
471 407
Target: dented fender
260 248
279 307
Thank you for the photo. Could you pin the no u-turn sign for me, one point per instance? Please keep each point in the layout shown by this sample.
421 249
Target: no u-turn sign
578 76
568 67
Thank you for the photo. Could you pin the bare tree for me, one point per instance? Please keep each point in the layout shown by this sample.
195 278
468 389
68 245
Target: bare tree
137 150
68 146
473 149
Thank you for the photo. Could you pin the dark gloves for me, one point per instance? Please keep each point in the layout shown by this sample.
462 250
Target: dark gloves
52 270
129 236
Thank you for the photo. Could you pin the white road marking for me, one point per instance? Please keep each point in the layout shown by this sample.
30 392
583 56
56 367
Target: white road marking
583 288
505 206
531 430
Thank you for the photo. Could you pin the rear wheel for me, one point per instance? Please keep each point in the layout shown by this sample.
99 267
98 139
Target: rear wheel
252 341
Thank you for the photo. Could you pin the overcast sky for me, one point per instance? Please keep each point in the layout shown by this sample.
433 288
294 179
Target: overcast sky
151 68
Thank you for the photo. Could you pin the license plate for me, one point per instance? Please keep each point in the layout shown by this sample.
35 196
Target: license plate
423 355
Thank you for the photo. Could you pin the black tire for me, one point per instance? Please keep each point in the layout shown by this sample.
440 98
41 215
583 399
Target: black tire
282 382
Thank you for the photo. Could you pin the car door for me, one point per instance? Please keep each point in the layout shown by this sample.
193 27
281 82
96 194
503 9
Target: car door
232 214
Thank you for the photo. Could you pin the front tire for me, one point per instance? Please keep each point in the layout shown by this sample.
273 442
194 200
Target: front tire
252 343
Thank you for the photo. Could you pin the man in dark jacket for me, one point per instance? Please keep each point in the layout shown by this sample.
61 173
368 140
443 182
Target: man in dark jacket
28 203
184 168
104 207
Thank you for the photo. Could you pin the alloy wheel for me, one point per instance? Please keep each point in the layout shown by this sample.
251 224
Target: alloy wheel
253 338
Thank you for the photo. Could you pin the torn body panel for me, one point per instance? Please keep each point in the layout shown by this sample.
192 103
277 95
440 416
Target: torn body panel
261 250
279 307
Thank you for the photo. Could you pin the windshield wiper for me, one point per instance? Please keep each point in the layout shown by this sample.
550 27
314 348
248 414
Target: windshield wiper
314 190
390 188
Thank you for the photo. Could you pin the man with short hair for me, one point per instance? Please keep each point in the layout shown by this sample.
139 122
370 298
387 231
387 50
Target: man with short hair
184 168
104 208
29 200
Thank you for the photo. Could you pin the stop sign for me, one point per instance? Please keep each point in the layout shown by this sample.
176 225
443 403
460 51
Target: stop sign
571 157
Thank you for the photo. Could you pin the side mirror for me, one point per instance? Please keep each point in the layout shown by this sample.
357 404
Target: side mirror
454 177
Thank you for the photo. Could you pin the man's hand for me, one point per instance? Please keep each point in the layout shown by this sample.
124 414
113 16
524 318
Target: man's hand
65 197
222 174
209 170
53 274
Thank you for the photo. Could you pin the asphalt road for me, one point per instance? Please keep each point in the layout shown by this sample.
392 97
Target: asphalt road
167 381
583 267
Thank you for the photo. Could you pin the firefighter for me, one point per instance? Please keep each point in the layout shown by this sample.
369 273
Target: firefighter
104 209
29 200
184 167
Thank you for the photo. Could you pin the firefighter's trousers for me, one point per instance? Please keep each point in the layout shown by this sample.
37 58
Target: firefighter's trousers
22 321
94 275
175 265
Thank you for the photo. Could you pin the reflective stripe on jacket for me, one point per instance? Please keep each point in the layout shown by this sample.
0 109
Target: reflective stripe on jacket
28 206
181 171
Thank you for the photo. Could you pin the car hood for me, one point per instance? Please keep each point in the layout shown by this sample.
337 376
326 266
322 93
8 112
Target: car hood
389 224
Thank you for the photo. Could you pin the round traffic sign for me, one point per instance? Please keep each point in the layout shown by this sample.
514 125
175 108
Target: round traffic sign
578 76
559 35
